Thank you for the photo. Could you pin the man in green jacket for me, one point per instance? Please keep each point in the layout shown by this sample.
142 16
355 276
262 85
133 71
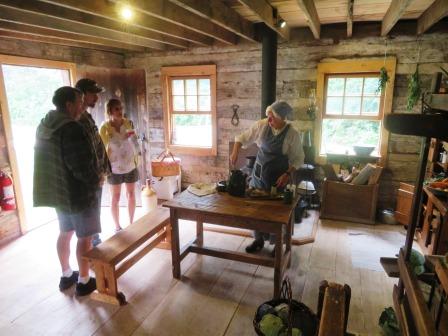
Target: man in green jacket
65 178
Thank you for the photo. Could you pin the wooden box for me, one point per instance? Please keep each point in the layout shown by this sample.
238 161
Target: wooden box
403 209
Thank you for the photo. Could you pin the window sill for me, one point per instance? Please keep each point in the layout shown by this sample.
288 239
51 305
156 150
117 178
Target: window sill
197 151
342 158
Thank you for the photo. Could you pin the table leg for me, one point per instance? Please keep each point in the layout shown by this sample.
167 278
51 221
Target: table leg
175 250
289 231
200 232
278 276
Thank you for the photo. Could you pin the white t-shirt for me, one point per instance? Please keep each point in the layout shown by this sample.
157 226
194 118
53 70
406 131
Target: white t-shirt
121 151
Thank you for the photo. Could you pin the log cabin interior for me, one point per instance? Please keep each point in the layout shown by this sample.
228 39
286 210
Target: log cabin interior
193 75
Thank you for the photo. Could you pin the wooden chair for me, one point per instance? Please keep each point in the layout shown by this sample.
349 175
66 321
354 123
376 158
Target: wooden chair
350 202
113 257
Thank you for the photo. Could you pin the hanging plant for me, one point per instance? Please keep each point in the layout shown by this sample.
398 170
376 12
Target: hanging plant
382 81
414 90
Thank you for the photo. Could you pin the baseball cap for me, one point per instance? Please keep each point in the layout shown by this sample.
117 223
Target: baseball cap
88 85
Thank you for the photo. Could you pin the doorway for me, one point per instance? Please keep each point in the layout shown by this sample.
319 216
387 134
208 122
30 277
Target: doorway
29 86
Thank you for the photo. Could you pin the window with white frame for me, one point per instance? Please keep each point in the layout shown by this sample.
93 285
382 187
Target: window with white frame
352 113
190 109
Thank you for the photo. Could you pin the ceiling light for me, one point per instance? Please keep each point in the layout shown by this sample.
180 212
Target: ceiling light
282 23
126 13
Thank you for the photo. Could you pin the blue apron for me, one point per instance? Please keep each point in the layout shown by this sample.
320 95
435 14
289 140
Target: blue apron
270 163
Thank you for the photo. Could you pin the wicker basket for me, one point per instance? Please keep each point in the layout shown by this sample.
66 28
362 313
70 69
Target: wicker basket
165 165
299 314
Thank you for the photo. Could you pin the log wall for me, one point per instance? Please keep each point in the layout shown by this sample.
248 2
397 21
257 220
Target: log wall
239 82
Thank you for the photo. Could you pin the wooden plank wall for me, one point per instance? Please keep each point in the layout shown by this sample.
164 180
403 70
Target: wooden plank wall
239 82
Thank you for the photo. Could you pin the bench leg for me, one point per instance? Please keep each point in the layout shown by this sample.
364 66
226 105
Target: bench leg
175 248
166 243
106 284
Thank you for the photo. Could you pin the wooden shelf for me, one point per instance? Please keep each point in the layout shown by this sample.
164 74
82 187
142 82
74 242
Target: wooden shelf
443 165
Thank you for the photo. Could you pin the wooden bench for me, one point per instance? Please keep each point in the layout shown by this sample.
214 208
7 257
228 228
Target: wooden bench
113 257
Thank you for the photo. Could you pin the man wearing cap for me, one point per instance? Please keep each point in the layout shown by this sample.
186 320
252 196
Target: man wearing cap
280 153
90 89
65 179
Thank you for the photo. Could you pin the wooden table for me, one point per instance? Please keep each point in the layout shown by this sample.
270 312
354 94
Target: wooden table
271 216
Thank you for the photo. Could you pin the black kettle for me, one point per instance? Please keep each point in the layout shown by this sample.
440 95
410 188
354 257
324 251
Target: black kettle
237 183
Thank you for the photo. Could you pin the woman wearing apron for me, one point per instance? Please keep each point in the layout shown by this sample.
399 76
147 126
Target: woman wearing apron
120 140
280 153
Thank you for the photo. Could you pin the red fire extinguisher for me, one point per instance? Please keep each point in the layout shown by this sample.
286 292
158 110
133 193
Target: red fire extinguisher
8 201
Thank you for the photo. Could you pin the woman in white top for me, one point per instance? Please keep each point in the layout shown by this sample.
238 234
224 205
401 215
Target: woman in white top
280 153
119 137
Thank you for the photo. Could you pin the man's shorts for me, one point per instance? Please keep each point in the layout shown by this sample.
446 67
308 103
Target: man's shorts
130 177
85 223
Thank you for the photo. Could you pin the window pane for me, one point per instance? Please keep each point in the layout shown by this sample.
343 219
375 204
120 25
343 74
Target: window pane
192 103
352 106
370 106
340 135
178 87
334 105
353 86
335 87
370 87
178 103
190 84
192 130
204 86
205 103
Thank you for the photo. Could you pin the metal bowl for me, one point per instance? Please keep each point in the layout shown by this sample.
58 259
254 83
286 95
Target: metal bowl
363 150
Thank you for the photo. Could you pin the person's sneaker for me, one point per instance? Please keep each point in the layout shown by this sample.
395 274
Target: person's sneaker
67 282
96 240
85 289
119 229
256 246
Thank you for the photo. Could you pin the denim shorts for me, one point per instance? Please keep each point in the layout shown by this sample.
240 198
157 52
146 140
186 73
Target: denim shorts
85 223
130 177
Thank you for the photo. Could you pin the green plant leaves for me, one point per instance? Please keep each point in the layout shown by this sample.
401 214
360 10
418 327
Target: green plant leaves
382 81
414 90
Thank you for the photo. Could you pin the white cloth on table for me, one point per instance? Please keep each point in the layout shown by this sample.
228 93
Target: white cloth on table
202 189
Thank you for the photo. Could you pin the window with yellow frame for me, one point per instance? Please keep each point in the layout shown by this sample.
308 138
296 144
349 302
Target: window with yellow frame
190 109
352 107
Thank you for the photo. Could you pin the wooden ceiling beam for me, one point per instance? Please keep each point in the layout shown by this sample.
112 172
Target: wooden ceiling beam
267 14
309 9
58 36
219 13
9 13
169 12
77 16
58 41
433 14
350 18
393 14
108 9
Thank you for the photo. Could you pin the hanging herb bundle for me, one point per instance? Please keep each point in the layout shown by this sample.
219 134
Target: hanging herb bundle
382 81
414 90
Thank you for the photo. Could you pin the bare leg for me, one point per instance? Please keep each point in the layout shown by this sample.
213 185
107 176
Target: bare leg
130 194
63 248
82 246
115 190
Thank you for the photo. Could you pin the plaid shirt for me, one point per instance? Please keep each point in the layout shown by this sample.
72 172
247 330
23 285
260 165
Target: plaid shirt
64 173
102 162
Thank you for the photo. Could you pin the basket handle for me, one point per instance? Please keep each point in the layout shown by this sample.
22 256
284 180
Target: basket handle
286 294
165 154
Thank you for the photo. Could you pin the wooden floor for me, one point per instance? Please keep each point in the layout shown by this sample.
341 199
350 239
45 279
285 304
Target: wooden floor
214 297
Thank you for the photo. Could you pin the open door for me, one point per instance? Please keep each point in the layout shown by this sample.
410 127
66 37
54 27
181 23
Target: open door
26 89
128 85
